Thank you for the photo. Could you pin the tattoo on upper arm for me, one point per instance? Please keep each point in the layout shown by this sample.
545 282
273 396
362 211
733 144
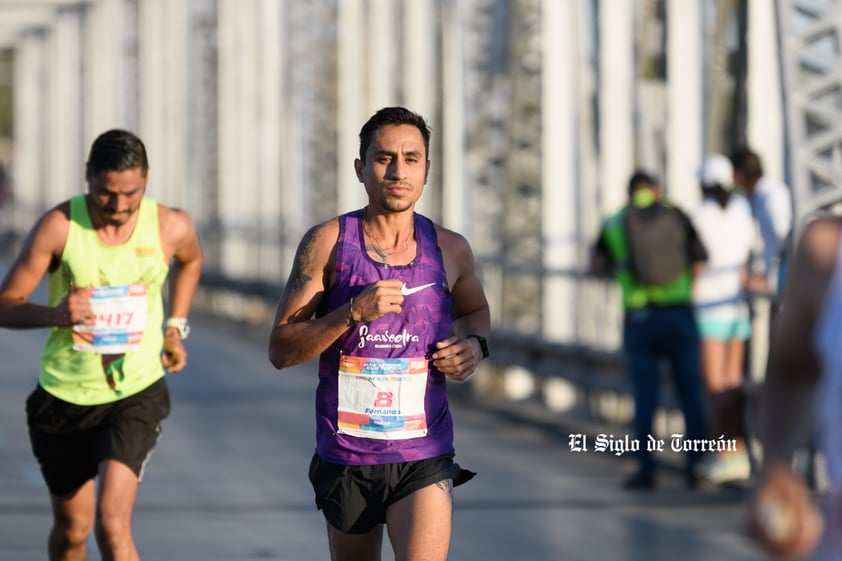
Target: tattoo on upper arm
301 272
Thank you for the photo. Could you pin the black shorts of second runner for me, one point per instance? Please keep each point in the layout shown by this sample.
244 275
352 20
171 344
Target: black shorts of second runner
354 499
70 441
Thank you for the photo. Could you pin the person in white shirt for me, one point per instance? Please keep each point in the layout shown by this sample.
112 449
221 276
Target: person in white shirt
726 227
771 203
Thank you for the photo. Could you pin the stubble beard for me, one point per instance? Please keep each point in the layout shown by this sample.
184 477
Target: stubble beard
394 203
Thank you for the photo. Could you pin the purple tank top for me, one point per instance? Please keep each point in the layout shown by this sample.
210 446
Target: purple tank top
397 398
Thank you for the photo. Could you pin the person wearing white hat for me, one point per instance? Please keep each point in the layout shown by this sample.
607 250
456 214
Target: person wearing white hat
725 225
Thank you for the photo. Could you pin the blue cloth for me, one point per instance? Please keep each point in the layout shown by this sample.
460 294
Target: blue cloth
650 336
720 329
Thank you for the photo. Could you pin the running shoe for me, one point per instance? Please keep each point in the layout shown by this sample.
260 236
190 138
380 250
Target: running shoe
734 466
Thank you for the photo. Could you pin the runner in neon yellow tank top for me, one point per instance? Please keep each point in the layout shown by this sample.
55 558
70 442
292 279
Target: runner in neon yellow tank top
107 257
135 271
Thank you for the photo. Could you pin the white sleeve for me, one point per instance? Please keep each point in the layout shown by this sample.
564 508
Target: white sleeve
779 206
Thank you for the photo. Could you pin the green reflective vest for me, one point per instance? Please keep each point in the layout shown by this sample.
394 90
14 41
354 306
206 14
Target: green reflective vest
635 294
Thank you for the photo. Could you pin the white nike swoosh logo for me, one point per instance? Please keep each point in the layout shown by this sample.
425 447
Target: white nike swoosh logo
407 291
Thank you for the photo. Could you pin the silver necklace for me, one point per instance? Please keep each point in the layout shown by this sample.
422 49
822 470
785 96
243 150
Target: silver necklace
384 254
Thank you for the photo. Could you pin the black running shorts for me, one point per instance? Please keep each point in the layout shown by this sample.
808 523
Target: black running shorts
70 441
354 499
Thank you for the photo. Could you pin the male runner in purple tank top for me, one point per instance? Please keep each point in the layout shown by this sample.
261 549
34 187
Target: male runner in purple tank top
392 304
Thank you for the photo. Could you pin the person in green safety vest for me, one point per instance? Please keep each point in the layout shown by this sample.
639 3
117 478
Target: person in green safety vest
652 249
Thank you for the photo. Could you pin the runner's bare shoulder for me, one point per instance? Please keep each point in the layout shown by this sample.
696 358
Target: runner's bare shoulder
453 244
316 255
49 234
177 229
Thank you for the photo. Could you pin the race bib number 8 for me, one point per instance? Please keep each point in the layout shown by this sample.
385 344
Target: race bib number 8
120 320
382 398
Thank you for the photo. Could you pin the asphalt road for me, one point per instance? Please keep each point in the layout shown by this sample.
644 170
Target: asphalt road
228 479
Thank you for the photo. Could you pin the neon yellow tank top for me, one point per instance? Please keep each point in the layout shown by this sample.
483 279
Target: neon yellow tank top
80 377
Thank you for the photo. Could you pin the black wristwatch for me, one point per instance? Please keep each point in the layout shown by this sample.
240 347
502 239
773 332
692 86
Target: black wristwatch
483 343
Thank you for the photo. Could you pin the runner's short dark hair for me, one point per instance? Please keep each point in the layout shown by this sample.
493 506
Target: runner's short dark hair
117 150
393 116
